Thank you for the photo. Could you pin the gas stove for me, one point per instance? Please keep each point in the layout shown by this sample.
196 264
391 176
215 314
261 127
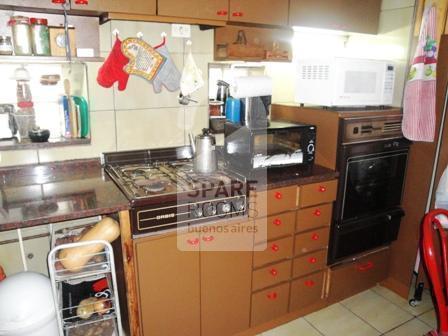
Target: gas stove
165 192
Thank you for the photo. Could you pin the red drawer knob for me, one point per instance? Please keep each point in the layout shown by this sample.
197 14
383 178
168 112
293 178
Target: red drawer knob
275 247
315 236
365 267
309 283
317 212
208 238
237 14
82 2
277 222
322 188
273 272
312 260
221 12
58 2
278 195
272 295
193 242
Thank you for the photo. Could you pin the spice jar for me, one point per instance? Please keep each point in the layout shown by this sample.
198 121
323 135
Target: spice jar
21 35
5 45
40 35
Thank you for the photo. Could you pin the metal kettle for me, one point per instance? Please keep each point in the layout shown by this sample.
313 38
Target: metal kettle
203 146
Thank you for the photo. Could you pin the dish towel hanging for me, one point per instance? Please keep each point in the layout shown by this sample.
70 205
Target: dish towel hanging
419 102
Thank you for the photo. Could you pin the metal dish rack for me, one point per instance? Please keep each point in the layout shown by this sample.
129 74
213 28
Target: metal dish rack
100 266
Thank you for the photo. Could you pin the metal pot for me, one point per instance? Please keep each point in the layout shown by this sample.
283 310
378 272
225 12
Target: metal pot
222 94
203 146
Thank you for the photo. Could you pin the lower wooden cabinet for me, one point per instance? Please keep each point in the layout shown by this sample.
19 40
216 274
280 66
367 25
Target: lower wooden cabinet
271 275
269 304
275 251
354 277
309 263
306 291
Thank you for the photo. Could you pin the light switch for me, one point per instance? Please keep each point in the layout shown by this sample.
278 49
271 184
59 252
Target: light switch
181 30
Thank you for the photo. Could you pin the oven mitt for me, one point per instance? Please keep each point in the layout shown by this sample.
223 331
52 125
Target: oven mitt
168 75
191 80
112 69
144 60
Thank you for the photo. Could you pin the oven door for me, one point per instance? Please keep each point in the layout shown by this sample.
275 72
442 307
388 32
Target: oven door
372 183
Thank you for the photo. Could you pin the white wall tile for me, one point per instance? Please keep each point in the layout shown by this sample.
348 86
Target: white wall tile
150 128
100 98
103 140
106 38
196 118
19 157
203 40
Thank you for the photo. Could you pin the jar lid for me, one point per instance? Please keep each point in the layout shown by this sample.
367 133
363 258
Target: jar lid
38 21
18 20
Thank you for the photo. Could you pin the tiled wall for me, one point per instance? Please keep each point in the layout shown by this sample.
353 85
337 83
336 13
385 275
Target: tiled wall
137 117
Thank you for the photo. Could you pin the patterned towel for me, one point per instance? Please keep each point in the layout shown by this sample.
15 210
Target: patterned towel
419 105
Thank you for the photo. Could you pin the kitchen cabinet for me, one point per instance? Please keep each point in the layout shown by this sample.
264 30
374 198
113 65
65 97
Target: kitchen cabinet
30 4
259 11
307 290
348 15
145 7
197 9
269 304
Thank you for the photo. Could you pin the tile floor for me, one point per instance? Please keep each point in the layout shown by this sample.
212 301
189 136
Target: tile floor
374 312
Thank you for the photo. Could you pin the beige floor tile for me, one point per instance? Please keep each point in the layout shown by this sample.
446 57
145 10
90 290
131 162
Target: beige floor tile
425 305
297 327
414 327
376 310
337 320
429 318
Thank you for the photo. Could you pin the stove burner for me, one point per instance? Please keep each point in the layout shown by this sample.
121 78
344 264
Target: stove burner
155 187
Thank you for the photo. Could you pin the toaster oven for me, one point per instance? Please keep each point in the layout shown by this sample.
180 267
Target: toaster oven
281 144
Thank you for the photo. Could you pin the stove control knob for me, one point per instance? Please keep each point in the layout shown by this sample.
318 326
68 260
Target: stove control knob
197 212
240 204
310 148
226 207
209 209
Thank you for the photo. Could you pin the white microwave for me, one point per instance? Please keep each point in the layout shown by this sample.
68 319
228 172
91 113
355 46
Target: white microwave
342 81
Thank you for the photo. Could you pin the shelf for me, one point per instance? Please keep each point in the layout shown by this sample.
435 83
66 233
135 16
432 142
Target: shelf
7 145
47 59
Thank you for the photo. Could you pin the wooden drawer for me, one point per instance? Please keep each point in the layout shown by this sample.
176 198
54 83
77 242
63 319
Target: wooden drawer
316 216
354 277
274 201
309 263
275 251
311 240
269 304
317 193
272 227
306 291
271 275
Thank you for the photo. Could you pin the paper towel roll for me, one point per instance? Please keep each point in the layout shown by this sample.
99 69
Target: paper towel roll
251 86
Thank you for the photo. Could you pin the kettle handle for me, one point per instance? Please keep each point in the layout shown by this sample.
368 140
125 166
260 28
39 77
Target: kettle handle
193 146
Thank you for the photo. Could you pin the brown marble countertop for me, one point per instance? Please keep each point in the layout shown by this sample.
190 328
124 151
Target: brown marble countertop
285 177
47 193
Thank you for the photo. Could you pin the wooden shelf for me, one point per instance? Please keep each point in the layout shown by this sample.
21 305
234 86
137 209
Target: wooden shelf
7 145
47 59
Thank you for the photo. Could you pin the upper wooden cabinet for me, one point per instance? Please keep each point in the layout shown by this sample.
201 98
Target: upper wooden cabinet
30 4
259 11
197 9
146 7
361 16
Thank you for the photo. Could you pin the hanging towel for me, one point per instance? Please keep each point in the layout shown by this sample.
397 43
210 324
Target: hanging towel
191 79
419 104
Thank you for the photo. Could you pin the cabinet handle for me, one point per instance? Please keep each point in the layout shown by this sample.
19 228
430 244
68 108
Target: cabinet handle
277 222
322 188
278 195
238 14
193 242
58 2
275 247
272 295
317 212
221 12
312 260
208 238
367 266
309 283
273 272
82 2
315 236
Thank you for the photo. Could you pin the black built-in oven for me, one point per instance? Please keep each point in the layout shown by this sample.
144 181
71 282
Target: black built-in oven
372 171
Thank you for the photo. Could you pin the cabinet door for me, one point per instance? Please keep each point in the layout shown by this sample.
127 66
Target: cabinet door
225 287
147 7
197 9
32 4
168 286
349 15
259 11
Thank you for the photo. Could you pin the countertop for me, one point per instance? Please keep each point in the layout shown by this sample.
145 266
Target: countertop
48 193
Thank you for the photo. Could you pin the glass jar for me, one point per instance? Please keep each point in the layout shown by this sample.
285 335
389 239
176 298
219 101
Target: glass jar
5 45
40 35
21 35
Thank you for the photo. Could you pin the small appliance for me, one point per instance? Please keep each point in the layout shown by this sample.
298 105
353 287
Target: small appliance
342 81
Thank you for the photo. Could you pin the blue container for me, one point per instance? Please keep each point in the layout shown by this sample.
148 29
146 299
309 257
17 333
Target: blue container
233 108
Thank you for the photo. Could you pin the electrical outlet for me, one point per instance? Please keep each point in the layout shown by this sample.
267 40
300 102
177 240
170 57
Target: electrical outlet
181 30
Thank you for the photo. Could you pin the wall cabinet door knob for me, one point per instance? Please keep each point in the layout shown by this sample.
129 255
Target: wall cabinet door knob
208 238
322 188
237 14
221 12
193 242
277 222
275 247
